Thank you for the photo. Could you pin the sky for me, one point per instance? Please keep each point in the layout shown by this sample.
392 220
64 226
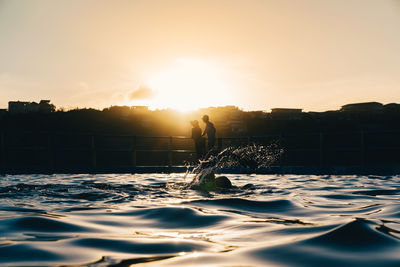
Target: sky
257 55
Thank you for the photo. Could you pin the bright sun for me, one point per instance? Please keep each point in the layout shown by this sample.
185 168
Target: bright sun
189 84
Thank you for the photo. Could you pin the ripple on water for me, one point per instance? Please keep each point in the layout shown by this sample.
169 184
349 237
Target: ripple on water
39 224
18 253
357 243
177 217
245 205
140 247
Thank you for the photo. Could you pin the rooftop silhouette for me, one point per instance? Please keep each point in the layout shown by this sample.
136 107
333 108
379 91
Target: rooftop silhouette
229 120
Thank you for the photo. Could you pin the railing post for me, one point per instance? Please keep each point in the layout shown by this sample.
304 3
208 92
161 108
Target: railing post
93 151
134 151
170 152
219 143
50 154
3 149
321 149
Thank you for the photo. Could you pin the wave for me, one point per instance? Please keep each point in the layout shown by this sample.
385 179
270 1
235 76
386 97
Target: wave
39 224
357 243
175 217
139 247
278 205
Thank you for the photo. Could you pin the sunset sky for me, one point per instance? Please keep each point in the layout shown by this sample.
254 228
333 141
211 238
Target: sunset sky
311 54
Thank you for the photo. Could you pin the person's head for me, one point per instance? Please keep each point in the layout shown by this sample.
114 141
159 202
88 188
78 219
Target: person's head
195 123
205 118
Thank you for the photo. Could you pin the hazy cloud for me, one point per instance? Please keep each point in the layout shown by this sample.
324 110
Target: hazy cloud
143 92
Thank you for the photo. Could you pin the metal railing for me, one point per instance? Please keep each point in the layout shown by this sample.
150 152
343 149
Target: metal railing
320 148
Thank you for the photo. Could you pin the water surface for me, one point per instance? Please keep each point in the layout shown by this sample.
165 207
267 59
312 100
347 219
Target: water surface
279 220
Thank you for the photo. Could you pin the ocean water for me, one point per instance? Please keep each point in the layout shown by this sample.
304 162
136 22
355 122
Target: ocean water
153 219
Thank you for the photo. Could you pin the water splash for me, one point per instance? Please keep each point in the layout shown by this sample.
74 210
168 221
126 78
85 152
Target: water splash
253 156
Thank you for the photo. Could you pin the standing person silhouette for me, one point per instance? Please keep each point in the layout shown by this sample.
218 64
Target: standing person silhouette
210 131
199 142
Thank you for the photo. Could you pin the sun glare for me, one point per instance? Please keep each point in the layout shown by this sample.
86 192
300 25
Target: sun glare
189 84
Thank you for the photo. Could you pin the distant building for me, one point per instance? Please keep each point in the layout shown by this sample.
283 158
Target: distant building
17 107
121 111
287 113
235 121
228 119
32 107
257 114
362 107
23 107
